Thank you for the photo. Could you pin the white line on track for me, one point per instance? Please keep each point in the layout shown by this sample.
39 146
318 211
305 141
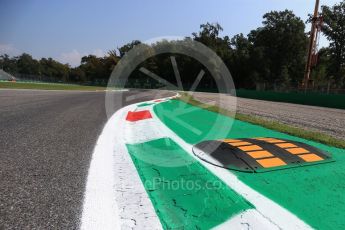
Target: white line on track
100 210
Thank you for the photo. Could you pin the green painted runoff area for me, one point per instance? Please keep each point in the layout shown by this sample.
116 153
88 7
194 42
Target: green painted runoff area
145 104
183 192
313 193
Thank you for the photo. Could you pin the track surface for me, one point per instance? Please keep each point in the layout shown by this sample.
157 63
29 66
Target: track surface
326 120
47 139
46 142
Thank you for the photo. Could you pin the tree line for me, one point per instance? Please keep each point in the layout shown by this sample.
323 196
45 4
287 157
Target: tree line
273 55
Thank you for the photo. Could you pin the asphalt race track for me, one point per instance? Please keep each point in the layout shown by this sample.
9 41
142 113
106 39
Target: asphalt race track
46 142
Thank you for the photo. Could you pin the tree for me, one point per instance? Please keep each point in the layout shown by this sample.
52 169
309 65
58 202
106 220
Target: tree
127 47
27 65
92 67
209 32
209 36
8 64
334 29
285 77
111 60
97 69
240 64
54 70
77 75
321 76
280 43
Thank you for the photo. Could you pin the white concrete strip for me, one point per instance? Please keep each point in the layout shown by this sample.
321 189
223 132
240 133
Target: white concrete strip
278 216
115 197
247 220
100 210
142 131
135 208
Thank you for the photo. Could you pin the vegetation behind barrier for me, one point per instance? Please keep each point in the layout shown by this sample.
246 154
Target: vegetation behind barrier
273 54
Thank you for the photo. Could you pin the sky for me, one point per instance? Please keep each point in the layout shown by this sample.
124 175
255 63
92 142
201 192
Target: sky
66 30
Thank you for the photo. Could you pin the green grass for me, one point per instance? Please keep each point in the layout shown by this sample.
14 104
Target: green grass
47 86
298 132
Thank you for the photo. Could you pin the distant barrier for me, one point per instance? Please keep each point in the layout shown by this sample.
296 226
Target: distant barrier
296 97
310 98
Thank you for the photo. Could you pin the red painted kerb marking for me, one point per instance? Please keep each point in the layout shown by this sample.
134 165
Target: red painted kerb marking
159 100
137 116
